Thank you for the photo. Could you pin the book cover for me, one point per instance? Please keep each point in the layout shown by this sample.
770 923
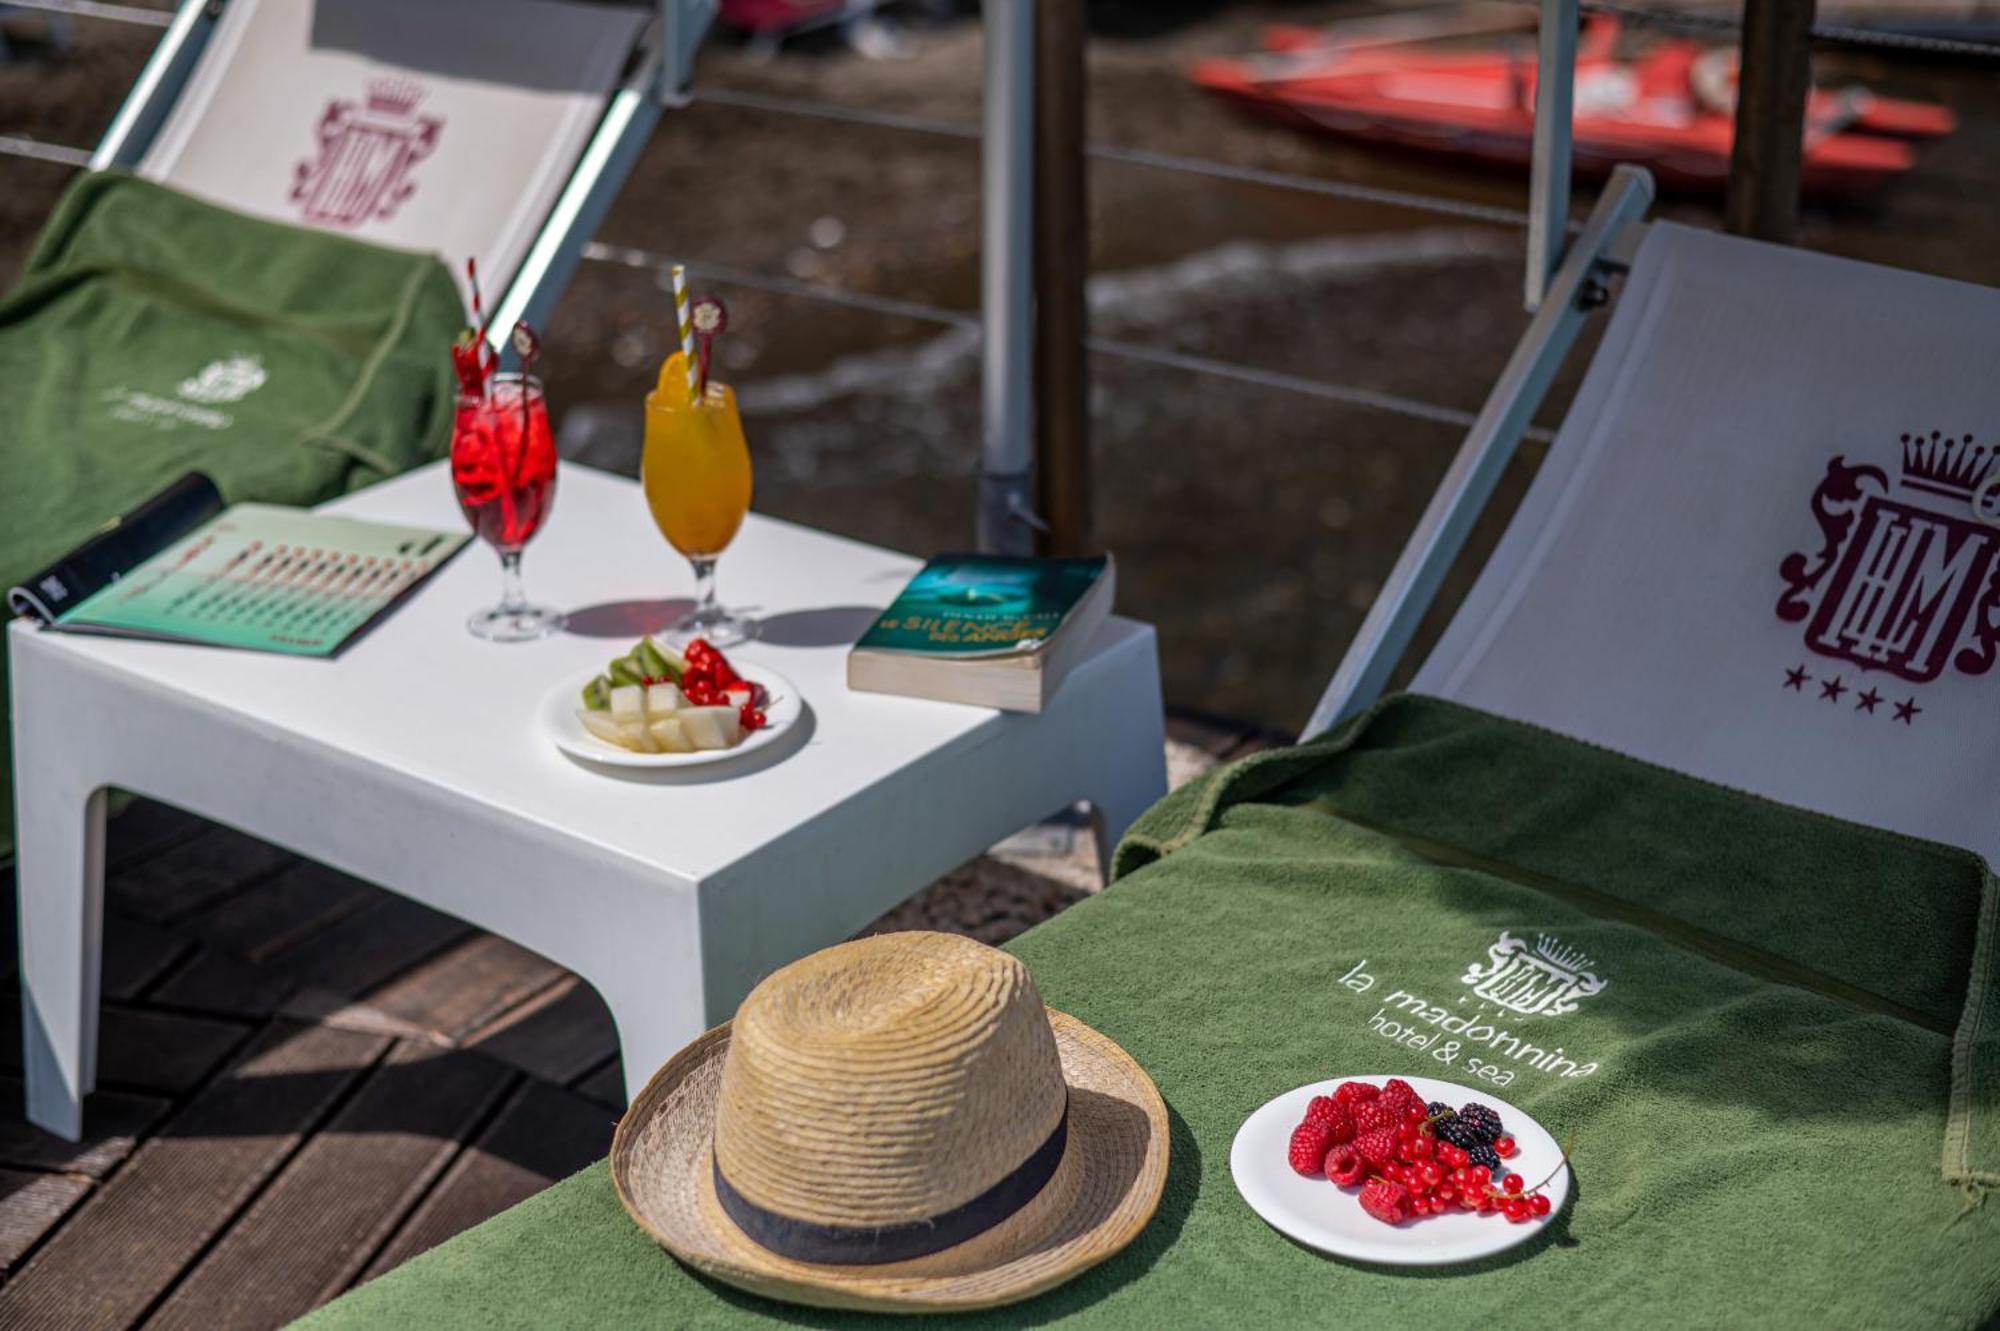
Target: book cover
965 605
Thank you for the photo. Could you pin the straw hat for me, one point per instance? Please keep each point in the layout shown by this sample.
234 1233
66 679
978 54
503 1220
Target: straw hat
895 1124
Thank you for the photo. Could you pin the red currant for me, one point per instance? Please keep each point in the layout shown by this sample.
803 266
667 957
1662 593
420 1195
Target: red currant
1419 1148
1513 1183
1479 1176
1517 1215
1539 1203
1430 1174
1446 1193
1505 1148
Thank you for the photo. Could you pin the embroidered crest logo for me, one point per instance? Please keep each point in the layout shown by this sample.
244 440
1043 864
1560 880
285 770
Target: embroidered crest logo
1907 580
229 380
1545 980
367 150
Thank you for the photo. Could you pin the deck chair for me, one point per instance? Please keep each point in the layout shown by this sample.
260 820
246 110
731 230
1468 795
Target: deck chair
490 130
1763 548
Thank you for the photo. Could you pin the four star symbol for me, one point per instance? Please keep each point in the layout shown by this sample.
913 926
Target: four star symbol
1867 700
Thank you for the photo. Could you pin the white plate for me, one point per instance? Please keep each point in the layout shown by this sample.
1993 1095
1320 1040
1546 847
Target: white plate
1322 1215
557 717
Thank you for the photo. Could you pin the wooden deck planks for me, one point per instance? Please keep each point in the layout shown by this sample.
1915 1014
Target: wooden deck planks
191 874
124 1246
141 1048
30 1205
544 1134
290 906
336 1202
559 1035
112 1125
466 987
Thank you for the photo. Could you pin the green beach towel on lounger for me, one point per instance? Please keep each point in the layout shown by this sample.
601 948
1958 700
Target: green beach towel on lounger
153 334
1770 1033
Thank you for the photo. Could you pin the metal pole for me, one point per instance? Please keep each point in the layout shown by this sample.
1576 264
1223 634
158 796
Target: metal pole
1548 185
1006 279
683 26
1062 269
1771 89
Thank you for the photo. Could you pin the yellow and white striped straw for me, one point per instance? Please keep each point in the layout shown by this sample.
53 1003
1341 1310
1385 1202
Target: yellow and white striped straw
686 318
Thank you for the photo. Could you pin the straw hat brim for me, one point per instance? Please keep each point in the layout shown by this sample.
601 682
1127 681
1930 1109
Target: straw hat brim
1102 1194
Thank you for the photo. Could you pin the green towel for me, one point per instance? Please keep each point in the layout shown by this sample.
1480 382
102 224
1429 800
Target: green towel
1763 1027
153 334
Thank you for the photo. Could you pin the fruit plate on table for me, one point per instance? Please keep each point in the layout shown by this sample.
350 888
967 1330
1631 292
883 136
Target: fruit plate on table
1321 1213
558 719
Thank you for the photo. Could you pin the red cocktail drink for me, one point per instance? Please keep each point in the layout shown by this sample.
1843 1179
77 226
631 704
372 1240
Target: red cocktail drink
503 466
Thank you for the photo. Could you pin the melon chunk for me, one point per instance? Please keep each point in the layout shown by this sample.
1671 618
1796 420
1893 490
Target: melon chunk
663 700
599 725
670 734
628 702
712 727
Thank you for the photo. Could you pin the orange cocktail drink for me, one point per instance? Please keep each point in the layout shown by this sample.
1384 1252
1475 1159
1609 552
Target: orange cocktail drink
696 474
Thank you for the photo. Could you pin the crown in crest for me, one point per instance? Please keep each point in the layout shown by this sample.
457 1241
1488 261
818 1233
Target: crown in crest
394 96
1572 959
1942 465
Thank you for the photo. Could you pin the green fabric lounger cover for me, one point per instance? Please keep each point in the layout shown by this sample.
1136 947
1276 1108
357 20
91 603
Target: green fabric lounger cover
153 334
1777 1052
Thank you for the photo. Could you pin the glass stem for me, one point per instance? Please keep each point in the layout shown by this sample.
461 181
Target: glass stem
513 597
705 608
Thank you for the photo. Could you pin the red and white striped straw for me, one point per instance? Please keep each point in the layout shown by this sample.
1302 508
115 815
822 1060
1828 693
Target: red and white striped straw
685 316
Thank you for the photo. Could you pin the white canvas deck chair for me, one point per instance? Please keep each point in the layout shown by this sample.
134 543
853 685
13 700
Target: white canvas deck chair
493 130
1764 548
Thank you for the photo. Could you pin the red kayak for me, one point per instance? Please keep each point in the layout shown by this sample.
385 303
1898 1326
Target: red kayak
1670 110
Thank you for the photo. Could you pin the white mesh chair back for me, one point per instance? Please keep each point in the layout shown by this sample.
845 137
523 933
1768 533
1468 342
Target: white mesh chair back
1756 551
441 125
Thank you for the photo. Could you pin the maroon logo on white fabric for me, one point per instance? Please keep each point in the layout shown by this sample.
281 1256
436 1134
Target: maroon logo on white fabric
1908 579
366 152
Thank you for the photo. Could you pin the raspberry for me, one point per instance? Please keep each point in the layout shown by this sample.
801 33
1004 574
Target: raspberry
1378 1148
1345 1166
1482 1121
1400 1094
1330 1114
1386 1201
1372 1114
1351 1093
1308 1149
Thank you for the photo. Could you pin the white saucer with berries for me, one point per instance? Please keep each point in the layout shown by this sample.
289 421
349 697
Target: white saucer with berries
1412 1171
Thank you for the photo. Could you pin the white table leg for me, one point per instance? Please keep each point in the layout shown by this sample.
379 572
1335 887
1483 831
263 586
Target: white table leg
60 873
1130 773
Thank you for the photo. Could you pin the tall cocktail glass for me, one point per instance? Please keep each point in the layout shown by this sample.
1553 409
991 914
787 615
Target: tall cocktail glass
696 475
503 466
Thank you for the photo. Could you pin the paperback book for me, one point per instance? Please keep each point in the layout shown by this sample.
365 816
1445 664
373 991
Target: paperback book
991 630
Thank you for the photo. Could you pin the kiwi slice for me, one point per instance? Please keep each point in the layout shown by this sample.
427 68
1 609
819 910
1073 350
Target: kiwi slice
654 662
597 695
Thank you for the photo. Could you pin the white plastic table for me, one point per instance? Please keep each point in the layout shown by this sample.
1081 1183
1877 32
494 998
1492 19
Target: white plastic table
413 761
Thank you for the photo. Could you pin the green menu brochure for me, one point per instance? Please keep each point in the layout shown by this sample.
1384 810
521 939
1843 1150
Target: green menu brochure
259 576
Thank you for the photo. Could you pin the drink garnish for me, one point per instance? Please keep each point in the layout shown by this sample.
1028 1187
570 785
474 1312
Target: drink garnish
710 318
684 321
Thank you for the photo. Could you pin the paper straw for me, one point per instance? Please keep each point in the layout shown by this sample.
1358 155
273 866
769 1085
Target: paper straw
686 318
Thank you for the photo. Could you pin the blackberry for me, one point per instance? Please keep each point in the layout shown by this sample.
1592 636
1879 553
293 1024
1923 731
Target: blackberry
1483 1121
1458 1132
1438 1109
1484 1154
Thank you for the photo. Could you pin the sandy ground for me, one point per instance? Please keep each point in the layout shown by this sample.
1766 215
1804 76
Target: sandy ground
1253 526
